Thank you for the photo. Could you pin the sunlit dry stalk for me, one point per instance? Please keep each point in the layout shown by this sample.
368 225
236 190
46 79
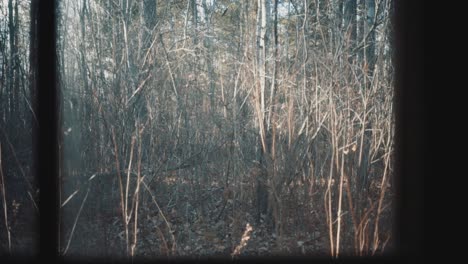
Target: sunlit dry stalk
76 221
164 242
340 199
127 215
328 192
137 198
328 210
362 231
364 99
174 245
245 238
119 175
363 240
383 188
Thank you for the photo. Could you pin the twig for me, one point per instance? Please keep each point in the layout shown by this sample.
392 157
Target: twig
76 221
5 211
69 198
17 161
139 88
169 66
162 215
33 202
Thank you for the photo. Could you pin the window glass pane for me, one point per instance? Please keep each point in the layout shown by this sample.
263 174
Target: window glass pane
19 192
228 128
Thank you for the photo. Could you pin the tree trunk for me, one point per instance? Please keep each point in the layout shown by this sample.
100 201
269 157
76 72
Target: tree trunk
11 67
262 178
370 41
350 26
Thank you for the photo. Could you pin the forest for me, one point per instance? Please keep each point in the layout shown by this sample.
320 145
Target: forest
206 128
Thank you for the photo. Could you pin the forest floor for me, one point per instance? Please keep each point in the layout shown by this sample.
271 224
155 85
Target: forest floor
196 222
182 217
23 220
